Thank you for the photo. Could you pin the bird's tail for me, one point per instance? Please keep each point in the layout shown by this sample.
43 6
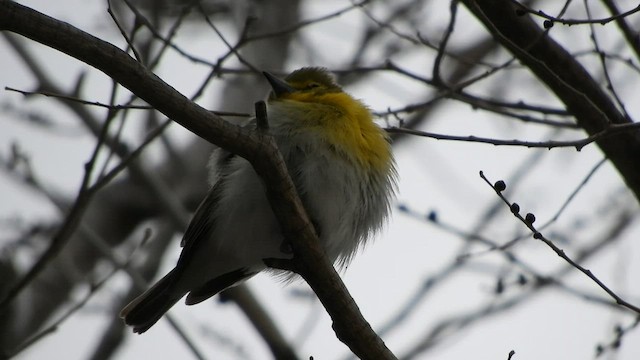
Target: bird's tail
148 308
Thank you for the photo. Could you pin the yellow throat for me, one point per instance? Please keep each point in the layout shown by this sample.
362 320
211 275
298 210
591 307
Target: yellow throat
311 95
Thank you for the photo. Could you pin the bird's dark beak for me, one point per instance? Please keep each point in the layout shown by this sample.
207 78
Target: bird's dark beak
279 87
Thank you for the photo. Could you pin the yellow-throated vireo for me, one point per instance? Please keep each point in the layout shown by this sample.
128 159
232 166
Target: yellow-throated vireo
343 169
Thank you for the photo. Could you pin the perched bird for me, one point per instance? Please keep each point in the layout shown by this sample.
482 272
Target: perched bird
341 164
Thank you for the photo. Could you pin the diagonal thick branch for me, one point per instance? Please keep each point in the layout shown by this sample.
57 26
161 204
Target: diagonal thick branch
259 149
593 109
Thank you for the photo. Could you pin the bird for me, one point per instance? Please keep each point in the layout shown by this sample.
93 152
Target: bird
341 164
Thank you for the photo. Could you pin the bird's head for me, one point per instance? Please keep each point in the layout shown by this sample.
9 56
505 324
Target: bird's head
310 101
303 84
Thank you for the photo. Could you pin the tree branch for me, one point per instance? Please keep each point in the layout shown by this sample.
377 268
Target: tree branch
593 109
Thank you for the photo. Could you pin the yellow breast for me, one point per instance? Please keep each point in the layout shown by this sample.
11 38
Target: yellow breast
345 123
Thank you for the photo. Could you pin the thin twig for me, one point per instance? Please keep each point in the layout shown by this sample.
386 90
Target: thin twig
453 10
554 19
305 23
603 64
528 221
578 144
127 38
126 161
70 224
112 107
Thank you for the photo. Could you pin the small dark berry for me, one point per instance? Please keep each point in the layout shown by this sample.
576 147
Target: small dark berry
515 208
618 329
522 280
530 218
499 186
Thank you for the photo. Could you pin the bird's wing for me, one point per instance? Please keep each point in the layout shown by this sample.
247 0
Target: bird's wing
202 222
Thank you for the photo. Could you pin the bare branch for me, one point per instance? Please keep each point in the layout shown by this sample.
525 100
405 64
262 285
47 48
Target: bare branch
528 221
578 144
569 22
572 84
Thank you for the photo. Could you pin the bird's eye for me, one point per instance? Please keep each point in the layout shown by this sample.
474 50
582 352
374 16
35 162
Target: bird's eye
312 85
